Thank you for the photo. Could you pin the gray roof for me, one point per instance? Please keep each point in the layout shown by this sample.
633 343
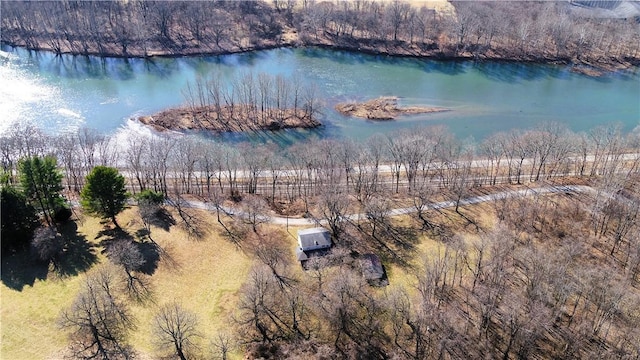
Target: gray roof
314 237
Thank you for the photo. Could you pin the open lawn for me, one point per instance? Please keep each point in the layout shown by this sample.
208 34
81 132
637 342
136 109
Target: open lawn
203 275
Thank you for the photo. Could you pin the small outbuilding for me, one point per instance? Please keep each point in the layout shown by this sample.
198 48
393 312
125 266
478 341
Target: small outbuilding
312 242
373 270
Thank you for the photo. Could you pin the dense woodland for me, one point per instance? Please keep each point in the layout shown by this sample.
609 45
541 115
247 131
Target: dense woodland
531 31
548 275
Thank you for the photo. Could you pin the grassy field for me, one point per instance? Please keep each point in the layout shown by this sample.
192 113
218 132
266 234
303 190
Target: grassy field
203 275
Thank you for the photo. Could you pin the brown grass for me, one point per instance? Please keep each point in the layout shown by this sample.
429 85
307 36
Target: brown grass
204 277
28 317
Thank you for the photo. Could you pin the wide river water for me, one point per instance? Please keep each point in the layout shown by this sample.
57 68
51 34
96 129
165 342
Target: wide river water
66 92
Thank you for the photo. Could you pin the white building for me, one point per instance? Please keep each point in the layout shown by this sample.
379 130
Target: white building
312 241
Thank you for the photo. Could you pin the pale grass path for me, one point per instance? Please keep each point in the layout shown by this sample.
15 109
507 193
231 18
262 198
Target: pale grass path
278 220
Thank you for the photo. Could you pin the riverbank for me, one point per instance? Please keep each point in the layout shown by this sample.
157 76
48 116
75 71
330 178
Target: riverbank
239 118
383 108
279 29
400 49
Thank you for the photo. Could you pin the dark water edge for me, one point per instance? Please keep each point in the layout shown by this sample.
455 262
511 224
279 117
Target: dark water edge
345 74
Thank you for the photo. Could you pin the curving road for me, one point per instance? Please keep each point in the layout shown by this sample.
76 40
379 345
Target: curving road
561 189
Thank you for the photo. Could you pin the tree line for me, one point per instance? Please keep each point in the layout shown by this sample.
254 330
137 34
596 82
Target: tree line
140 28
516 30
406 159
248 100
541 31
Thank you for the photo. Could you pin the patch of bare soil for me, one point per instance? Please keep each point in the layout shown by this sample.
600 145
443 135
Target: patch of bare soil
383 108
587 70
239 118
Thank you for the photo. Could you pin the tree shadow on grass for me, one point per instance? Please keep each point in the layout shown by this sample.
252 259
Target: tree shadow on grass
20 270
151 253
150 250
163 219
395 244
78 254
149 246
109 235
23 269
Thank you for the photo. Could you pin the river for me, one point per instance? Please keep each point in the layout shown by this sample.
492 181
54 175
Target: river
62 93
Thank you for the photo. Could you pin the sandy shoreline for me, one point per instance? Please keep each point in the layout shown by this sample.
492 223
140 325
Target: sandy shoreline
383 108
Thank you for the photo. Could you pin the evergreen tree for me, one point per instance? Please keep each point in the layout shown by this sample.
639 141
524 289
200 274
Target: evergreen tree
104 193
19 220
41 183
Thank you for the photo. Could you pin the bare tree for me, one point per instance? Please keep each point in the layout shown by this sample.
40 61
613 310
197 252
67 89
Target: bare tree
377 211
607 297
98 320
276 166
255 211
413 328
221 345
333 205
164 13
220 28
191 221
183 161
463 24
48 245
159 151
492 149
354 316
423 198
136 161
255 160
271 252
268 311
126 254
397 13
66 149
175 331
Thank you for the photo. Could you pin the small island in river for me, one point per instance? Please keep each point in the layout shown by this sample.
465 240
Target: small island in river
383 108
238 118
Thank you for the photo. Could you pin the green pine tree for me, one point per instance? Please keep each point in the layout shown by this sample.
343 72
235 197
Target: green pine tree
41 183
19 220
104 193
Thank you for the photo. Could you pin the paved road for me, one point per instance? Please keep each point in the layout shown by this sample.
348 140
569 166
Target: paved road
401 211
